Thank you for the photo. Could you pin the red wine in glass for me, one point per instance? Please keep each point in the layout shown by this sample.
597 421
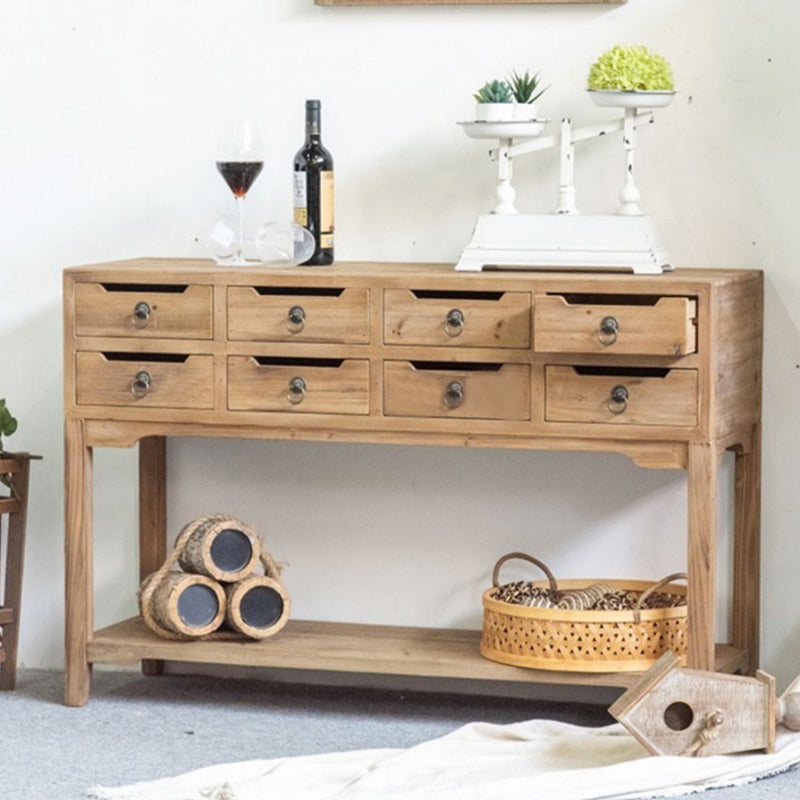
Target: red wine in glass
240 175
240 159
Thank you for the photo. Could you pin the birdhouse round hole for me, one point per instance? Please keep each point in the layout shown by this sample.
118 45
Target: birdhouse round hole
678 716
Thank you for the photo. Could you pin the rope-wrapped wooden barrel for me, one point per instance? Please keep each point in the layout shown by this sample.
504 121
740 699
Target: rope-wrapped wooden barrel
221 547
257 606
187 605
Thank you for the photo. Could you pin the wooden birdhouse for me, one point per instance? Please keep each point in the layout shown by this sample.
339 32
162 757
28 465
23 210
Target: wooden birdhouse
682 712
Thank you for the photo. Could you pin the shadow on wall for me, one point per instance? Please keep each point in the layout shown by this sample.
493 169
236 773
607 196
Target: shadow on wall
780 615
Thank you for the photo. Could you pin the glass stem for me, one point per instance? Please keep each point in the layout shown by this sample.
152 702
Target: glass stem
240 240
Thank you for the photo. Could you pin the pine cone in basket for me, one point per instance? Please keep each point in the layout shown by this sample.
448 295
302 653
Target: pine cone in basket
524 593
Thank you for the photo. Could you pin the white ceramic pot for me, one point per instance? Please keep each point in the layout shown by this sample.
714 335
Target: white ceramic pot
494 112
525 112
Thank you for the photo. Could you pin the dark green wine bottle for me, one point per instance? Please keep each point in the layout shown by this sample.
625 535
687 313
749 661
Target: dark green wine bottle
313 188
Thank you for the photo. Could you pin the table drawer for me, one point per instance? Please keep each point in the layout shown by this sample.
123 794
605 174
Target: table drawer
300 385
618 324
461 319
276 314
145 380
477 391
621 396
162 311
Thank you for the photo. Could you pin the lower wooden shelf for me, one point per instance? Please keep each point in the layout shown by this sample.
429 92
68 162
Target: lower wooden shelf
346 647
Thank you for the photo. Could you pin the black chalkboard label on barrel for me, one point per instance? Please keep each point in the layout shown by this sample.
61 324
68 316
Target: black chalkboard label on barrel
198 605
231 550
261 607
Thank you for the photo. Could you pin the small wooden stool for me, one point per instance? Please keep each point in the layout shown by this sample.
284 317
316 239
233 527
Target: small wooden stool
15 469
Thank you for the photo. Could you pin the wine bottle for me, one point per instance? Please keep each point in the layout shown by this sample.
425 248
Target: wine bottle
313 188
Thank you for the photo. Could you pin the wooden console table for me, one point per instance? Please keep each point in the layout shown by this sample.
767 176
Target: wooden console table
665 369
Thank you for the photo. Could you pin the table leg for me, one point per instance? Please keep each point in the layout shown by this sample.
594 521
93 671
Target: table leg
78 561
747 552
152 517
702 539
15 559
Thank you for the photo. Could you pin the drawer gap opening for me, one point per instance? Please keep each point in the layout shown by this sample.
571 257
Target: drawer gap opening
266 361
160 288
299 290
168 358
422 294
575 298
635 372
449 366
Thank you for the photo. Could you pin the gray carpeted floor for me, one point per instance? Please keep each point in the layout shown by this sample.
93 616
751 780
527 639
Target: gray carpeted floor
138 728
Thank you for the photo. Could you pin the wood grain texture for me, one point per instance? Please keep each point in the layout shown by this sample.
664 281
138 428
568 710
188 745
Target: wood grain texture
256 317
15 565
172 315
742 710
399 403
701 555
346 647
505 322
667 328
78 586
413 392
152 516
342 389
746 611
187 384
572 397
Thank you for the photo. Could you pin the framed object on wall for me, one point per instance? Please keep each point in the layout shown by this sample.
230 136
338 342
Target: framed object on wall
461 2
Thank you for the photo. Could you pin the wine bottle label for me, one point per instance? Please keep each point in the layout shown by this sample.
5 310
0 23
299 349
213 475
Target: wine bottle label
300 199
326 205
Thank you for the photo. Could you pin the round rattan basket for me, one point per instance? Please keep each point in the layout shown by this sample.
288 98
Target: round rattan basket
582 640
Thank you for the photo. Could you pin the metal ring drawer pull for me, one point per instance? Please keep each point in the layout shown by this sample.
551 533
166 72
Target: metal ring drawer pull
141 384
141 315
453 395
454 322
618 400
607 333
297 390
296 319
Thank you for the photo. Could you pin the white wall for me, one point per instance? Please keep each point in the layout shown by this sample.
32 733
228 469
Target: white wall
109 117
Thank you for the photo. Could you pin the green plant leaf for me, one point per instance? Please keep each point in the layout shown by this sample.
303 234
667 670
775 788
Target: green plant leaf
631 69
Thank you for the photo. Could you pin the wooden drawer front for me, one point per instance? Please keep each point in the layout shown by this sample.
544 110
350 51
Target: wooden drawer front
143 380
278 315
656 397
165 312
306 385
665 327
471 391
463 320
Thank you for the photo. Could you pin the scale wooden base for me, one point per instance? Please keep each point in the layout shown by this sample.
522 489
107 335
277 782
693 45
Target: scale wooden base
565 242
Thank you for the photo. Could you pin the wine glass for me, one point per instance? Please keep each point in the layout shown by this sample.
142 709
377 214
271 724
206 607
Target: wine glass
240 159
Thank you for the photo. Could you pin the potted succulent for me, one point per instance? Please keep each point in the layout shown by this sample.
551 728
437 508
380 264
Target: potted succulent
494 102
524 88
631 77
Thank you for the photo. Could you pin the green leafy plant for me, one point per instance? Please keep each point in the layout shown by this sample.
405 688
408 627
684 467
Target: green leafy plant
494 92
631 69
7 423
524 87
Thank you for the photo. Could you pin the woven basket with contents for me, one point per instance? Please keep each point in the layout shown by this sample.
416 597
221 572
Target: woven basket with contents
218 554
582 625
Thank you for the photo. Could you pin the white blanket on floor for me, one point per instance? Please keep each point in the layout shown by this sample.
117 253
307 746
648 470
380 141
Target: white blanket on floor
476 762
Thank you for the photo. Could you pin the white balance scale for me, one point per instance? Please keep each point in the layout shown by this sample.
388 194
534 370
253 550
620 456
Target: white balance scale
565 240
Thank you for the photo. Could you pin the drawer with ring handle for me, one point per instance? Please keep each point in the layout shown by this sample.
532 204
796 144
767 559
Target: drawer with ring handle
457 318
301 385
166 311
301 314
621 395
615 324
476 391
146 380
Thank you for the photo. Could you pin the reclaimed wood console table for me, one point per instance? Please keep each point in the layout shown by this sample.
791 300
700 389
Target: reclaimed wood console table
664 369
